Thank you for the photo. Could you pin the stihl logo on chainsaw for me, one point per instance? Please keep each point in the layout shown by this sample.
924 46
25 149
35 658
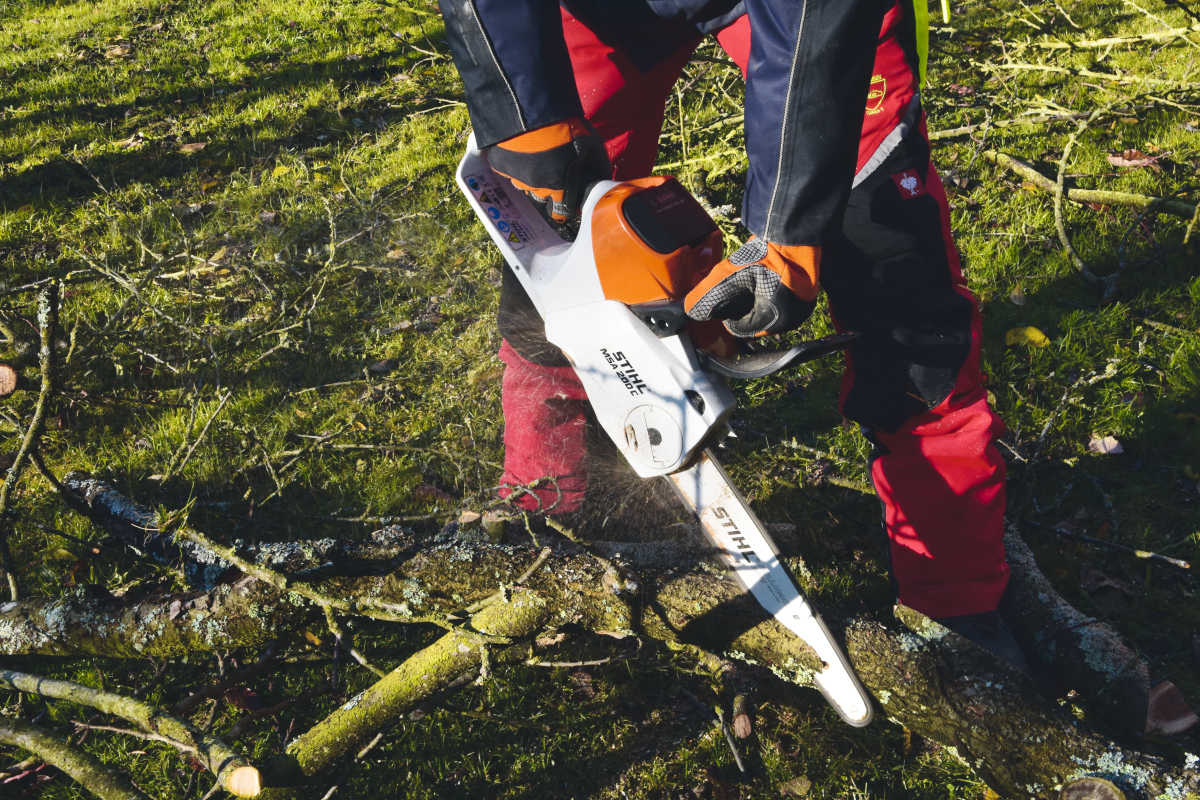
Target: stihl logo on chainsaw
738 538
625 371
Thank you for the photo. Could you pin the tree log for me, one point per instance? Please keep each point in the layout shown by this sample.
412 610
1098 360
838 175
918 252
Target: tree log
87 621
87 770
923 676
1083 651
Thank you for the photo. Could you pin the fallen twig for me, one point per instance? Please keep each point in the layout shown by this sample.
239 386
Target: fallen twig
1111 545
47 321
1026 170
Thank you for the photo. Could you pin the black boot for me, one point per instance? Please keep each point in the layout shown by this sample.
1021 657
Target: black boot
989 630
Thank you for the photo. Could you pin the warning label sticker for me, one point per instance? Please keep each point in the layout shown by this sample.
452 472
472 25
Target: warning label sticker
500 210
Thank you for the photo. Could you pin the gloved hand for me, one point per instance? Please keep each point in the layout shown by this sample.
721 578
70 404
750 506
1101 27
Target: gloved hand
554 164
762 288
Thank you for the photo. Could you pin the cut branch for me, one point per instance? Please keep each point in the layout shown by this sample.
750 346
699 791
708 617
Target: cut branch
233 772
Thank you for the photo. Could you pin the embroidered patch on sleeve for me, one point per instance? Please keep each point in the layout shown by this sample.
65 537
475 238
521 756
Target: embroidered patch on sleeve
909 184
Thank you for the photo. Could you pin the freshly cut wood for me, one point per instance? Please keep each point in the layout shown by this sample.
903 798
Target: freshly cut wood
9 380
1169 712
244 782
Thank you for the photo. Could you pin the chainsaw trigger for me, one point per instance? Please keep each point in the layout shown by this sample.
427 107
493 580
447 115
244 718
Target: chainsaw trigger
767 362
663 317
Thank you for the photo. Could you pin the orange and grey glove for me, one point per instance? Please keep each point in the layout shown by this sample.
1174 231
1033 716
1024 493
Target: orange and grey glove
554 164
762 288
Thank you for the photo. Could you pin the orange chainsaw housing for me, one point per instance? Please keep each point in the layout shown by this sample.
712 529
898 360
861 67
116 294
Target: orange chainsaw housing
652 241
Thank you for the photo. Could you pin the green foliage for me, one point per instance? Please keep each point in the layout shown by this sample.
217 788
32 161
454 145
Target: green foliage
314 260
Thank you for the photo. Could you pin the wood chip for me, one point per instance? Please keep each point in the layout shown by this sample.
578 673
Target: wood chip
8 380
1169 713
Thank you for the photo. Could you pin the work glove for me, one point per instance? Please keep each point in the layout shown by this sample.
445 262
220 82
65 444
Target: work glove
554 164
762 288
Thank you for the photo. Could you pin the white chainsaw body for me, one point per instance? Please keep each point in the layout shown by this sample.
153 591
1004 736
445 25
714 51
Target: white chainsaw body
656 402
649 394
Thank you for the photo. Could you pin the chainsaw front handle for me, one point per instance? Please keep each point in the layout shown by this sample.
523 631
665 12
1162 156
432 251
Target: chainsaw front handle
767 362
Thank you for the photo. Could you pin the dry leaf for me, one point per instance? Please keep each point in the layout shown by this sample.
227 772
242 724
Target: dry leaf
155 28
401 77
312 638
244 698
1093 580
427 492
25 209
269 217
1106 445
280 170
118 52
194 147
1026 335
397 254
354 57
210 186
1133 159
1018 297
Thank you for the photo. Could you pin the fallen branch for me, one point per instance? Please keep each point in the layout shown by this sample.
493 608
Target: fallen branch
1026 170
233 773
87 770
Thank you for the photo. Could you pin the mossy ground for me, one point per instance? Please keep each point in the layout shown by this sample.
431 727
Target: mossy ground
314 260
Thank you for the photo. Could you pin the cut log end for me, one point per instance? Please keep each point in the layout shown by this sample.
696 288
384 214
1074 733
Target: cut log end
1169 713
1091 789
743 717
8 380
244 782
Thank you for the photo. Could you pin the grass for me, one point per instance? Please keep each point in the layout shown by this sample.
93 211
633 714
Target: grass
313 260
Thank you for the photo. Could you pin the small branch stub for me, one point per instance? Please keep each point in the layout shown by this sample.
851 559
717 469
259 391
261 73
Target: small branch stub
743 717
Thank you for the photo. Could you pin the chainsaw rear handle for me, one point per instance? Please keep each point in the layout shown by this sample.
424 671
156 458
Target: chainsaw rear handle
667 318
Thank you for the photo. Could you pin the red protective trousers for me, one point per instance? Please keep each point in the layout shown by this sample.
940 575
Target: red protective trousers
914 385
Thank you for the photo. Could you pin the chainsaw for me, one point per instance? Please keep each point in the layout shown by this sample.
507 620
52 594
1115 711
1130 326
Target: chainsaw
612 301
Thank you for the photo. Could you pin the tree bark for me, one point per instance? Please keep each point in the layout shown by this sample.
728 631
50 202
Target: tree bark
87 770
